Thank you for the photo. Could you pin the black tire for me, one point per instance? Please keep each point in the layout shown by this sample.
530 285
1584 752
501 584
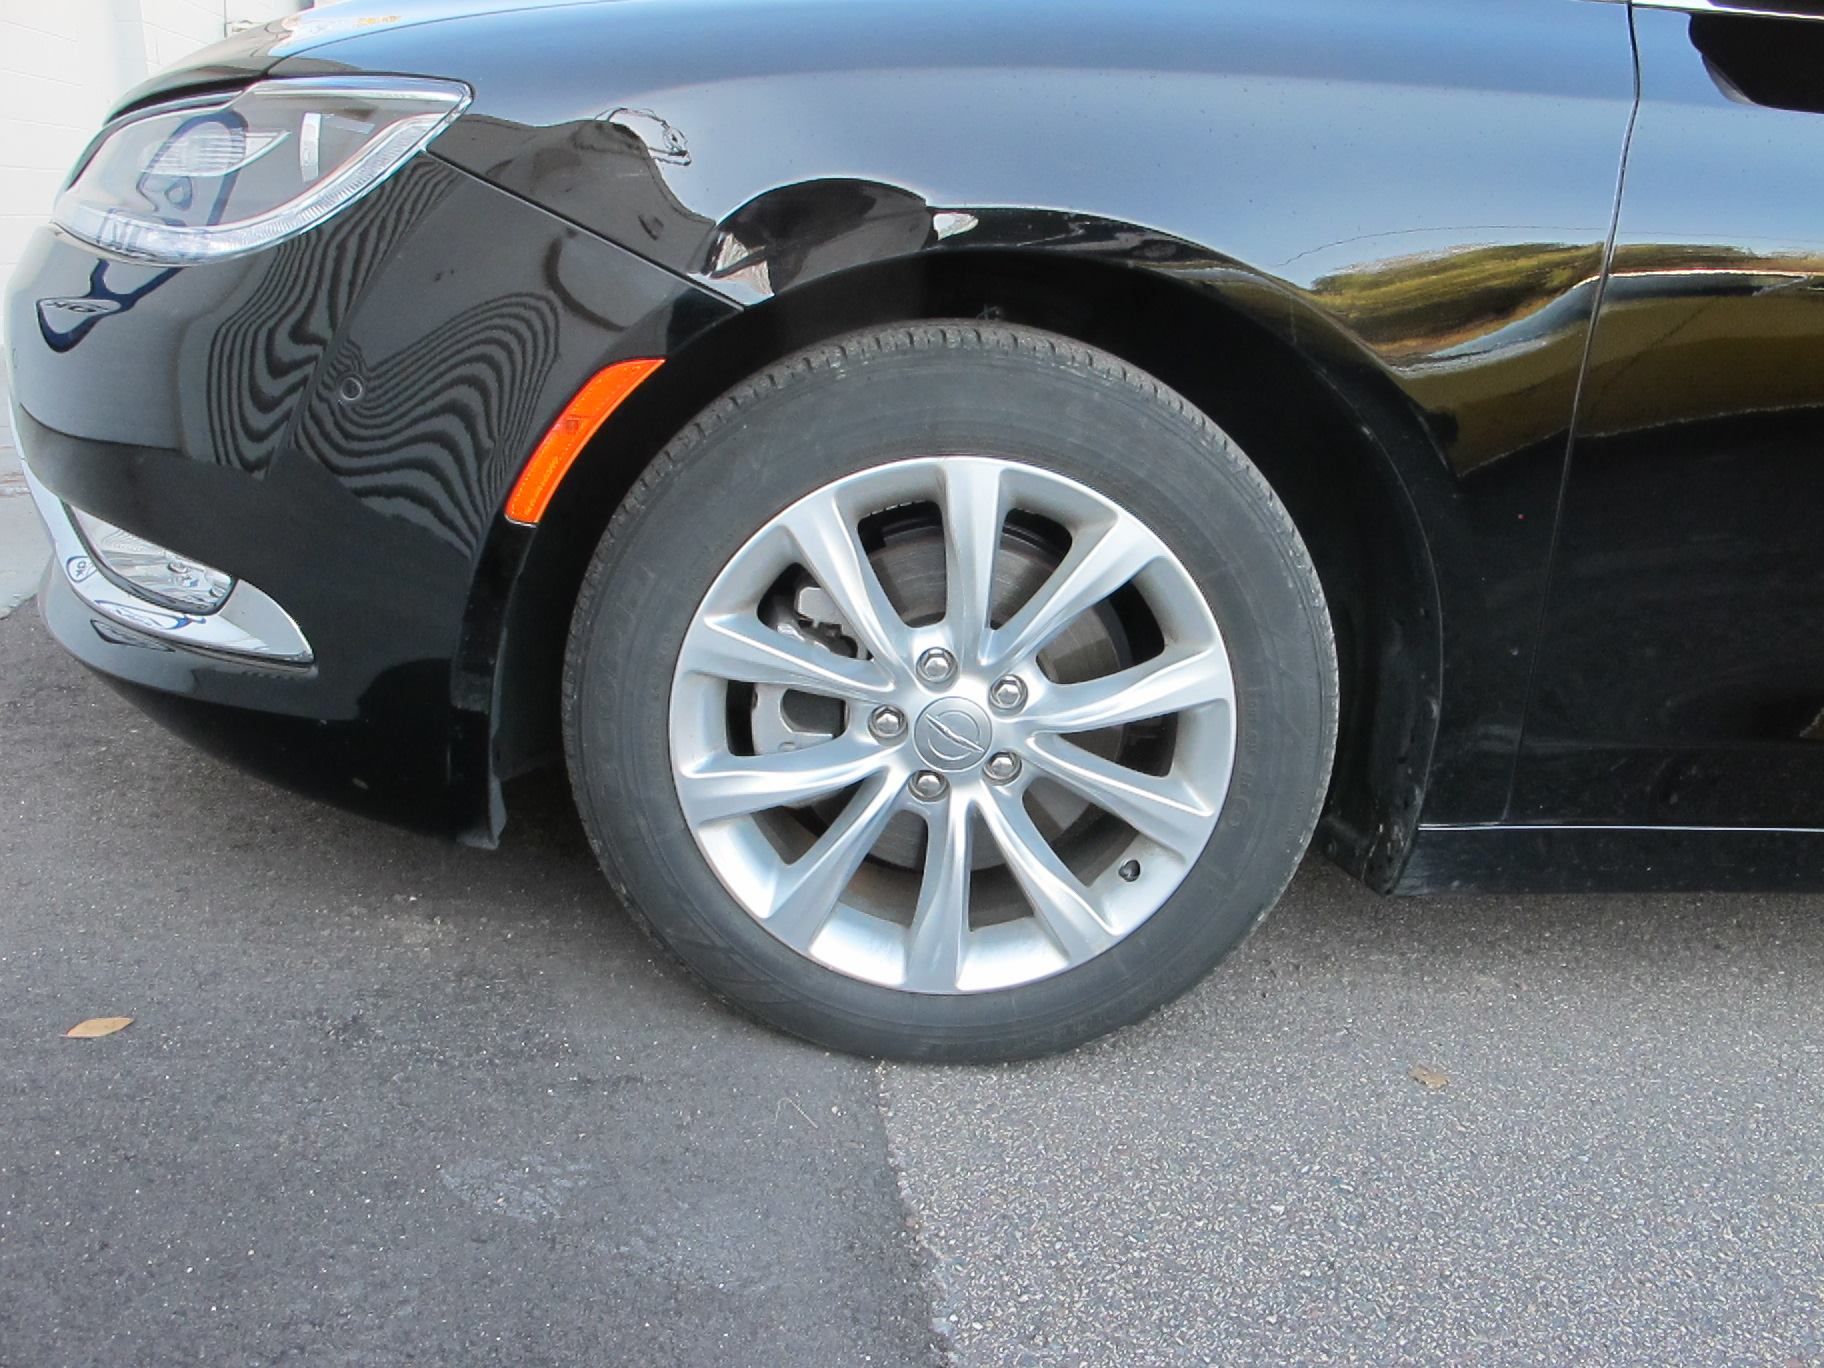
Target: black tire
914 390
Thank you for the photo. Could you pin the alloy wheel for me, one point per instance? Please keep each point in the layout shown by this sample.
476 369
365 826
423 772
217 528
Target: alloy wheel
963 780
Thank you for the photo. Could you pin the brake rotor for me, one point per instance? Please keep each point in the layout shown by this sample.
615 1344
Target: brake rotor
909 562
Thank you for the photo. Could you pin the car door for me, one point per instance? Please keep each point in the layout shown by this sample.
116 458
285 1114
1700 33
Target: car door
1680 673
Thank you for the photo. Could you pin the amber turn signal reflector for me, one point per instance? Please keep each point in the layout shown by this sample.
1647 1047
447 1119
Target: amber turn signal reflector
581 417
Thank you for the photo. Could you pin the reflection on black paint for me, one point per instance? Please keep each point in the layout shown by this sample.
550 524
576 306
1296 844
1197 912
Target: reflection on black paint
263 356
64 322
598 172
803 231
1681 674
1488 335
444 425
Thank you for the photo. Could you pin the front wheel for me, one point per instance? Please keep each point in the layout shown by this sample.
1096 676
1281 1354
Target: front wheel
950 692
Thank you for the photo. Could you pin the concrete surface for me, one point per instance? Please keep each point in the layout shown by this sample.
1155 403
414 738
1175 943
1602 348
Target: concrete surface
388 1101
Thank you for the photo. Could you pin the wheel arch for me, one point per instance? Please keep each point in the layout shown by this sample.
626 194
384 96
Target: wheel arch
1334 437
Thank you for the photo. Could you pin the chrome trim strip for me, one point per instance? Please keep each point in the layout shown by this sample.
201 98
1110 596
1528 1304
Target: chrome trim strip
1719 7
249 624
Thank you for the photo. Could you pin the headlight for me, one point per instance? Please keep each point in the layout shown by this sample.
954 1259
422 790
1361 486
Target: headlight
210 179
151 570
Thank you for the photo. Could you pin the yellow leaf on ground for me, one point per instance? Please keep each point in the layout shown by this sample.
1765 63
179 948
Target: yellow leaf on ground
1429 1077
97 1026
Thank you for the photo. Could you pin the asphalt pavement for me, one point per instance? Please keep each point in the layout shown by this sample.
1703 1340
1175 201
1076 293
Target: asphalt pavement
388 1101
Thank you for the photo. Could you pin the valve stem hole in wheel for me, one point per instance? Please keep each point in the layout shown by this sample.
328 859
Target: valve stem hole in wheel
909 690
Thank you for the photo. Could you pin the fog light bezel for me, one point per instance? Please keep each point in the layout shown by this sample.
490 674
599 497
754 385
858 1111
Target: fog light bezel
81 520
250 629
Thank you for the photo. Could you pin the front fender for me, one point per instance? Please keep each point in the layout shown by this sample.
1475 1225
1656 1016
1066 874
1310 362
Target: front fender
1358 159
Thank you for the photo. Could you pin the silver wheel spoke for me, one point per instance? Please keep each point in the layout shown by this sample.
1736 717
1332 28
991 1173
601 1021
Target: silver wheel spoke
746 650
1153 689
734 785
1058 898
806 894
826 539
1161 809
1099 562
940 922
973 514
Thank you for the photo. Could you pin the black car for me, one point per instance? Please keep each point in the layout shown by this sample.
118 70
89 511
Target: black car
969 489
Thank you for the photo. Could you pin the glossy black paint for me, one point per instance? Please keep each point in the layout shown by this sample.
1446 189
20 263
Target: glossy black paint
1369 239
1681 674
212 415
1321 170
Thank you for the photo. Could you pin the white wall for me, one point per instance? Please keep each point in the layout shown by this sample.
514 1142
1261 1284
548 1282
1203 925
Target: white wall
63 63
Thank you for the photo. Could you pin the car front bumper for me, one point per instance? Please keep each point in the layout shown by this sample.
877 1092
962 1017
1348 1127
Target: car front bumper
335 422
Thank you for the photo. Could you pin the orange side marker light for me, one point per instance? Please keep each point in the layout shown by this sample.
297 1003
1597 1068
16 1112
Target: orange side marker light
579 421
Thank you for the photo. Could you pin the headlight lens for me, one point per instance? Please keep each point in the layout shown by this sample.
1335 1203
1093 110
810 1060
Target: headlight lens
212 179
168 579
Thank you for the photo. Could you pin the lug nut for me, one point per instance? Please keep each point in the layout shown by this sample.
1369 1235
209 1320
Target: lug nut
1008 693
936 665
1002 768
887 723
928 786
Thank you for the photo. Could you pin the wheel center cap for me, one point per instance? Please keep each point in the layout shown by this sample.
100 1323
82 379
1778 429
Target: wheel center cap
953 734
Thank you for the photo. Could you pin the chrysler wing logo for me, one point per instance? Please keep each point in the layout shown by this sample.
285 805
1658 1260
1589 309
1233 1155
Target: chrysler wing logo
953 734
